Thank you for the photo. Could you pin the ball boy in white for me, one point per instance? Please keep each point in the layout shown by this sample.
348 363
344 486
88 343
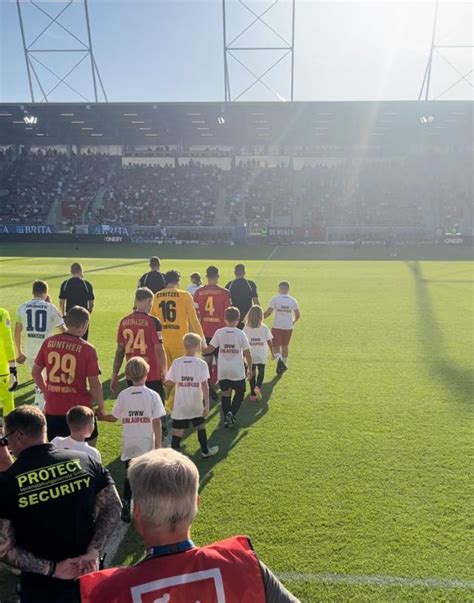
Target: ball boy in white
233 347
189 374
287 313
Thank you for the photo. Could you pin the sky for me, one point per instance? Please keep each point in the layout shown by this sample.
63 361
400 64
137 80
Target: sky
172 50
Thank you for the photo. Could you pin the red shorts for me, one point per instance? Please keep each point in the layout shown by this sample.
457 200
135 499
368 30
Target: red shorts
281 336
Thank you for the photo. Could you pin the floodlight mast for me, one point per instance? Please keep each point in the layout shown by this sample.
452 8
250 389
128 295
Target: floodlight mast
232 50
425 85
83 48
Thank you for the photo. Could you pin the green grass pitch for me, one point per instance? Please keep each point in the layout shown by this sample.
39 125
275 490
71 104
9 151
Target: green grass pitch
358 460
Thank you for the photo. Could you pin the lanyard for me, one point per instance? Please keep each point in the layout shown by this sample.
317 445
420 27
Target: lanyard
169 549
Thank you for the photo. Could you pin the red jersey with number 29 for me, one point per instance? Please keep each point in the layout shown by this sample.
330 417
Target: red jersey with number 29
212 301
69 361
138 333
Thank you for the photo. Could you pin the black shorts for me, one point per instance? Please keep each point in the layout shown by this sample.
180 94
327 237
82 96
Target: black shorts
57 426
215 353
184 423
156 386
226 384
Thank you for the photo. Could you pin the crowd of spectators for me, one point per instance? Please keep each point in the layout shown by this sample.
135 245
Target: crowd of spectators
411 191
154 195
86 174
31 185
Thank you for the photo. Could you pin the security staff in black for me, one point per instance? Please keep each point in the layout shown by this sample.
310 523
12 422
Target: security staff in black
57 510
242 292
76 291
154 280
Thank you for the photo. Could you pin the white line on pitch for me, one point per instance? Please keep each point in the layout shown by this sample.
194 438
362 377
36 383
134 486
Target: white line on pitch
113 543
274 250
444 583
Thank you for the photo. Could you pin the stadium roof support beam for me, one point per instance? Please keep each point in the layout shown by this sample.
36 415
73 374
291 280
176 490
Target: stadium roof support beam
233 51
425 85
30 50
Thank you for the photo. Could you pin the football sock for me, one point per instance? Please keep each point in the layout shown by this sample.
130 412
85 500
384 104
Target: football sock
285 361
277 355
225 401
175 442
202 437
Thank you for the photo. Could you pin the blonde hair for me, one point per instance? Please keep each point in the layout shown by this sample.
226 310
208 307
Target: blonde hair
136 368
191 340
165 485
254 317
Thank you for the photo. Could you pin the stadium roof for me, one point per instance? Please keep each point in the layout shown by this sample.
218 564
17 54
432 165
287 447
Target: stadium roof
209 124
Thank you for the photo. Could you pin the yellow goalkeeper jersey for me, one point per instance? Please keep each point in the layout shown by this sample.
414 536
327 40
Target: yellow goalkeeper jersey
7 352
175 309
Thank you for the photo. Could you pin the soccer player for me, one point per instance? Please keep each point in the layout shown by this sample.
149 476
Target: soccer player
8 373
36 319
287 313
154 279
195 283
71 365
243 293
233 348
175 310
211 302
140 411
139 334
76 291
189 375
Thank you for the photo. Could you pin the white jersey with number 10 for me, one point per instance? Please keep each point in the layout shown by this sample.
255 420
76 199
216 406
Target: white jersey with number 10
38 319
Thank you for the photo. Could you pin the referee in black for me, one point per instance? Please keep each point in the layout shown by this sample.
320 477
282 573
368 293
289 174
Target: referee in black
76 291
242 292
154 279
57 510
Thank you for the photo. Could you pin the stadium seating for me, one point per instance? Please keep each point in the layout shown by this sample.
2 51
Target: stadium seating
425 191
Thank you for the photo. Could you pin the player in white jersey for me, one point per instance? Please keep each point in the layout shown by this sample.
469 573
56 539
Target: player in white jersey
189 375
36 320
233 348
287 313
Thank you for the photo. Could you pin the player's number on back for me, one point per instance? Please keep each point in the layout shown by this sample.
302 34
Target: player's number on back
135 342
168 310
209 306
63 368
36 320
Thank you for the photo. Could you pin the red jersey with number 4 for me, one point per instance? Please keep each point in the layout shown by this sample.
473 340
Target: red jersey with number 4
224 572
138 333
69 361
212 300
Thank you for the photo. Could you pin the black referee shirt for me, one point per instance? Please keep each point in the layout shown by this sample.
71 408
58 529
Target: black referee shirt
49 496
77 292
154 280
242 293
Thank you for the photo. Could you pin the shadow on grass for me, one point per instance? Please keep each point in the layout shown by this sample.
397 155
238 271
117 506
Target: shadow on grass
131 548
452 376
66 275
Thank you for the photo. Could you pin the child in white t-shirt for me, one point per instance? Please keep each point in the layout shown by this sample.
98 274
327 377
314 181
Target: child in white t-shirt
260 340
81 423
233 348
287 313
189 374
140 410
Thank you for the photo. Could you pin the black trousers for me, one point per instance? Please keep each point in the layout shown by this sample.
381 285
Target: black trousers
52 590
127 491
258 375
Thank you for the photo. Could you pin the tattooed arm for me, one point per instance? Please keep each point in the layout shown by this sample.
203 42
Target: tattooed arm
16 557
107 514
